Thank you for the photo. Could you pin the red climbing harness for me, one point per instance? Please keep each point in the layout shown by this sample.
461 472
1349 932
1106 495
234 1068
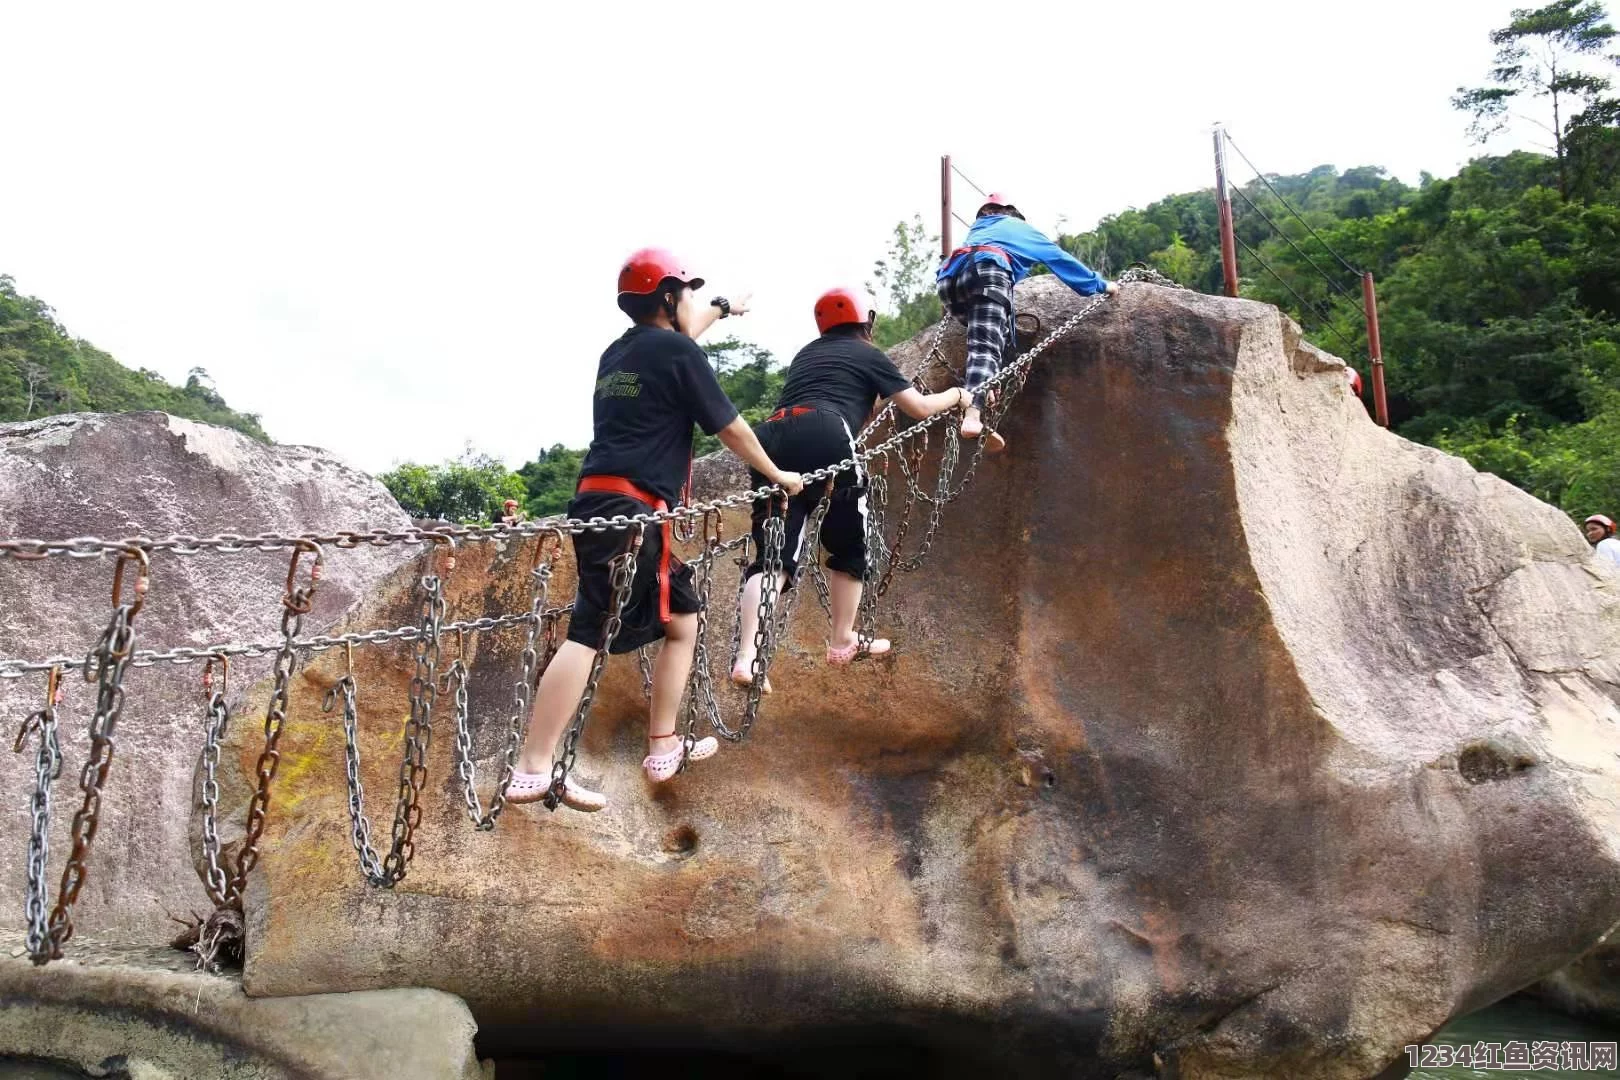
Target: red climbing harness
783 414
974 248
618 485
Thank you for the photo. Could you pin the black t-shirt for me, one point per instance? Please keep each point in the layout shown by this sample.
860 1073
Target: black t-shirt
842 374
651 387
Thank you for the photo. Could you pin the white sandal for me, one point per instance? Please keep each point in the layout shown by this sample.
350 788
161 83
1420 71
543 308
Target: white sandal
528 787
660 767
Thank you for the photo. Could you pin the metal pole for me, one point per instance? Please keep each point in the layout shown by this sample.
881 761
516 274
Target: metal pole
945 207
1223 207
1375 347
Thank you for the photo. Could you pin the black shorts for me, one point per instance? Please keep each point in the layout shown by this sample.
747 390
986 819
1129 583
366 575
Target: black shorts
595 552
805 443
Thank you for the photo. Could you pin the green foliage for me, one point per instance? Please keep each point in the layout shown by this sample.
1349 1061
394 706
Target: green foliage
751 379
905 284
1545 53
549 480
468 490
44 371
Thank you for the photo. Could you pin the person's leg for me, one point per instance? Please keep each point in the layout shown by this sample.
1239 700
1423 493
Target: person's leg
748 616
670 673
989 325
844 535
665 749
846 605
799 510
555 704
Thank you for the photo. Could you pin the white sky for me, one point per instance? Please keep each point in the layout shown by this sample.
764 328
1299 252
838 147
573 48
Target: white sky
392 229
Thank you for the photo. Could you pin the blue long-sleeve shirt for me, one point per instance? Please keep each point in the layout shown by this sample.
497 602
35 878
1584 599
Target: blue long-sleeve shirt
1025 246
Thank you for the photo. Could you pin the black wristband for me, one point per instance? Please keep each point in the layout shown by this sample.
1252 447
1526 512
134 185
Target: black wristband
723 304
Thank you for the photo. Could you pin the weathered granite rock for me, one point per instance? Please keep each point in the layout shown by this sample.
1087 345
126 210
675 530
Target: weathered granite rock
151 474
1228 735
112 1010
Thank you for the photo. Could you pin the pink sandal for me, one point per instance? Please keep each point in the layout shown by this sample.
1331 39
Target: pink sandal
847 654
660 767
528 787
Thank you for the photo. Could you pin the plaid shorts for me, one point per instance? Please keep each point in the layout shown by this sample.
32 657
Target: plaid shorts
980 294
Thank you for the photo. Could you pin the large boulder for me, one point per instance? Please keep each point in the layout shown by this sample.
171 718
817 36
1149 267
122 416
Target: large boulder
1228 735
149 474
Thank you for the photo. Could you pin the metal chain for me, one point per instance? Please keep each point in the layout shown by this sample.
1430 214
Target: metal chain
622 575
359 825
47 767
218 717
295 604
700 697
936 505
775 530
809 555
418 729
105 666
518 725
644 661
318 643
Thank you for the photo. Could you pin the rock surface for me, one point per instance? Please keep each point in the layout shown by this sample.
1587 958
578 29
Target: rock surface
1228 735
115 1010
151 474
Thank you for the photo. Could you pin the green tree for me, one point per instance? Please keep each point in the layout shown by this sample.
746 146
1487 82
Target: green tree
549 480
1540 54
1178 262
469 490
750 377
905 285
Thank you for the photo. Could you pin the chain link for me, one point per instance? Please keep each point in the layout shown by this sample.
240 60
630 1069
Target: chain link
218 716
623 575
644 660
295 603
83 547
418 732
359 825
47 767
542 622
105 666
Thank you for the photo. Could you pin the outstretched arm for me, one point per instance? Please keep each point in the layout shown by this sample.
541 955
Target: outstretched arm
711 314
1069 270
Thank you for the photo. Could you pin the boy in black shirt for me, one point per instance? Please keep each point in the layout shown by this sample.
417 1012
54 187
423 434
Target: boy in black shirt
832 386
652 385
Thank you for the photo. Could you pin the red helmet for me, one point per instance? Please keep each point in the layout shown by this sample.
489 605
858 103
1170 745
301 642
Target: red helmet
1355 380
1608 525
838 306
1001 201
645 269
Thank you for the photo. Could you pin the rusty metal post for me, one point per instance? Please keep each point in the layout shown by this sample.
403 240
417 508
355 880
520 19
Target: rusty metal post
1223 208
945 207
1375 348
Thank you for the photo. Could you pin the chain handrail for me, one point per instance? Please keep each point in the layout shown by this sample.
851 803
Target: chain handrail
182 544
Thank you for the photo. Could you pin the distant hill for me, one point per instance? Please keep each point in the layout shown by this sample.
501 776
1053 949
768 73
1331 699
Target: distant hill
44 370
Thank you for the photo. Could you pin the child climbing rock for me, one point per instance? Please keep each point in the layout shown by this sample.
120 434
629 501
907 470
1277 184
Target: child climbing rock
653 384
976 285
831 388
